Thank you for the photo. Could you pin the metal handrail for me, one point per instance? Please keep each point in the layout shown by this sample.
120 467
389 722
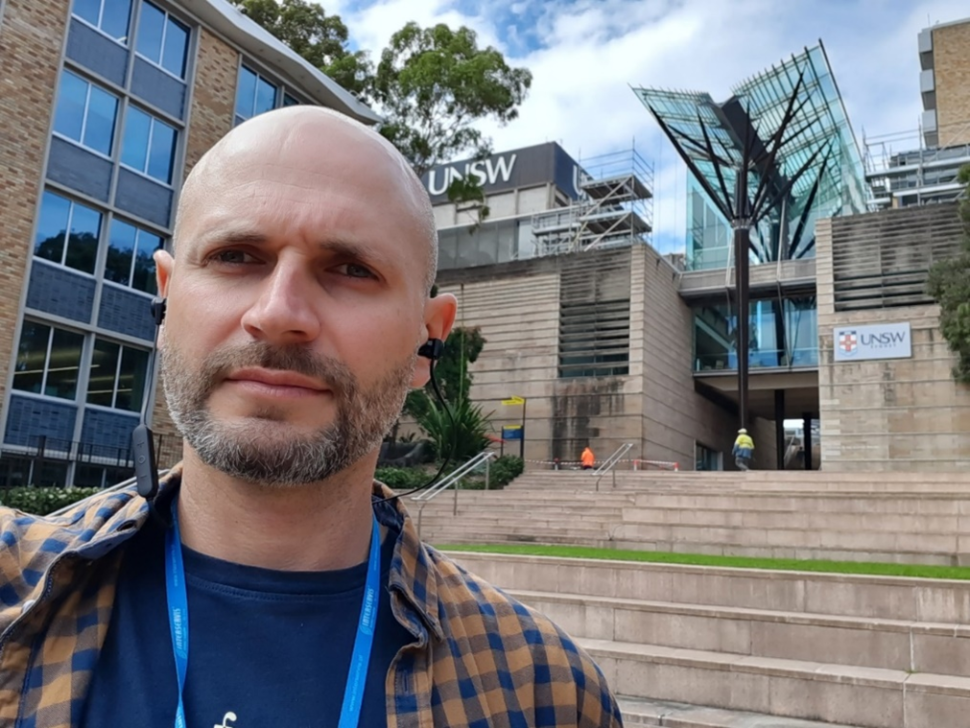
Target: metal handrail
426 496
611 463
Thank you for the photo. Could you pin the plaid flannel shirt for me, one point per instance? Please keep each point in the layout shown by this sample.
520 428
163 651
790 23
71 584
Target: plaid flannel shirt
479 657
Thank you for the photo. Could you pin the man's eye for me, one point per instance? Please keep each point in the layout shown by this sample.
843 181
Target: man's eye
232 257
355 271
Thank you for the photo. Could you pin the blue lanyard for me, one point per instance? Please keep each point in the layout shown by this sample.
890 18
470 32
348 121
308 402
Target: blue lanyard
178 620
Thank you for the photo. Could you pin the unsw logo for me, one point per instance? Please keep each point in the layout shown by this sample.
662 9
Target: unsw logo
849 343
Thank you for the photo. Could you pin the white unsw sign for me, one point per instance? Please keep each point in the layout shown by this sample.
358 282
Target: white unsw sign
487 171
881 341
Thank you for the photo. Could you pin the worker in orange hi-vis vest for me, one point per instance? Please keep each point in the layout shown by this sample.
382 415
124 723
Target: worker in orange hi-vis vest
587 459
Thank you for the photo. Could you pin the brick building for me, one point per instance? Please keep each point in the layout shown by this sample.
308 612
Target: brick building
944 52
105 105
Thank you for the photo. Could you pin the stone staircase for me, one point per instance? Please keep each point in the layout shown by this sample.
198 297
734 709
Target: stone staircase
704 647
885 517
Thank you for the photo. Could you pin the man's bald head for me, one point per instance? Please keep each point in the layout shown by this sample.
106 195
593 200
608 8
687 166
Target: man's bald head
319 140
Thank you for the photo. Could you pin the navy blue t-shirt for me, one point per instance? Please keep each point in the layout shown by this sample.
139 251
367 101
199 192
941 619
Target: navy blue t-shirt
266 648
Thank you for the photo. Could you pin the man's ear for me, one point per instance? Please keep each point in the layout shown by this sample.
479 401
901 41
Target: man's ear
164 263
439 319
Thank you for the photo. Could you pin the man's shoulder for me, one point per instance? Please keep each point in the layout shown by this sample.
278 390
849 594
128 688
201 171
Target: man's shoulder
480 619
29 542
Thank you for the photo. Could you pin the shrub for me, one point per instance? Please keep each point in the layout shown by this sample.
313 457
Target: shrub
403 478
41 501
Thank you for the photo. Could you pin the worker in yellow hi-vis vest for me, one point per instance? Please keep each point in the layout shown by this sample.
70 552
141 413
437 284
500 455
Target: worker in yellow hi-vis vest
743 450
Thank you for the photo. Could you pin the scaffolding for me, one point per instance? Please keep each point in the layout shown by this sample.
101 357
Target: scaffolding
902 171
614 208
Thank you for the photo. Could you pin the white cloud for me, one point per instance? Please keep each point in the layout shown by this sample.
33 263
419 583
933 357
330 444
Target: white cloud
591 51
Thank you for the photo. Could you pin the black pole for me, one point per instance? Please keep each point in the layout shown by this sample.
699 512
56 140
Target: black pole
522 440
780 448
807 438
742 242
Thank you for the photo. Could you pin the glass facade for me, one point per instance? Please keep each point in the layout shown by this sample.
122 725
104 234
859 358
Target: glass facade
784 335
820 154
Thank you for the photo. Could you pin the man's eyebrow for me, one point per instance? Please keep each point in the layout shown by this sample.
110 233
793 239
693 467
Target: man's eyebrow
336 246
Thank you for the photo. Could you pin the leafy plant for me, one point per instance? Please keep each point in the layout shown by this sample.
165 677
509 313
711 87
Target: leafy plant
403 478
41 501
949 284
464 434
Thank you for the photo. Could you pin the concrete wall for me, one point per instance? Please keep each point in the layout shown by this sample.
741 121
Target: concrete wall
901 414
516 306
951 71
31 39
674 415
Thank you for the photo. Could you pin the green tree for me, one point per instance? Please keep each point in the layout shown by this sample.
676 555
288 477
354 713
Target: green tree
321 39
434 84
949 285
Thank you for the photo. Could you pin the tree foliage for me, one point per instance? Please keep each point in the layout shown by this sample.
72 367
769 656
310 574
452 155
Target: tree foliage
433 84
322 40
949 285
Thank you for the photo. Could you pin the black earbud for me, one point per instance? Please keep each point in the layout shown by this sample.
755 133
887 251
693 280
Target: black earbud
432 349
158 310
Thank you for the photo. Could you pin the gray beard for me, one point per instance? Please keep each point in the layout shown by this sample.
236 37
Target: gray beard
264 449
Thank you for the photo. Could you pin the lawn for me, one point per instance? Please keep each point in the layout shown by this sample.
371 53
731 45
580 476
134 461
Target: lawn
735 562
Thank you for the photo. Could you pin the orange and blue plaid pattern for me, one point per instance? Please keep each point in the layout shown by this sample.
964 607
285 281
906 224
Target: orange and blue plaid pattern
480 658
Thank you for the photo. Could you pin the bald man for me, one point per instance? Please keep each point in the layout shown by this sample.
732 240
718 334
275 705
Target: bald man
272 582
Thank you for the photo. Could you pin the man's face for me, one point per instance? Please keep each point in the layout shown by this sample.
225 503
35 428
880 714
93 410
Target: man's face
296 304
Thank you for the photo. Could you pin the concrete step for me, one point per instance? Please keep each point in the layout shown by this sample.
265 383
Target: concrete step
843 595
942 649
804 544
643 712
858 696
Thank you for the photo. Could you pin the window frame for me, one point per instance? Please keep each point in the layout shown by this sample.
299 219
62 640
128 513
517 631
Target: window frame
153 120
52 328
99 29
84 120
67 233
131 267
113 407
168 18
279 94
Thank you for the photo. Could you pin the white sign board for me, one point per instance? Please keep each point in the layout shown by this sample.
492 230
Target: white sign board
881 341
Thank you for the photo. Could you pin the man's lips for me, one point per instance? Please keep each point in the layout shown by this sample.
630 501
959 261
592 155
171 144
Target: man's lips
276 382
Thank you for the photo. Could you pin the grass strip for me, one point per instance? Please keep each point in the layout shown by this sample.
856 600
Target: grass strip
918 571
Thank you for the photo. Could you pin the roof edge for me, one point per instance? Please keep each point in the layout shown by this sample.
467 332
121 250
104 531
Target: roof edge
263 46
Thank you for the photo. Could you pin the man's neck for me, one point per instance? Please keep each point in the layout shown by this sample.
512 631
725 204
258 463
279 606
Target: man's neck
320 527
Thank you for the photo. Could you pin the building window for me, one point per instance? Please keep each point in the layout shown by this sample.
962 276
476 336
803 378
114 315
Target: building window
109 16
129 262
149 145
118 376
67 233
254 95
162 39
48 361
86 113
594 339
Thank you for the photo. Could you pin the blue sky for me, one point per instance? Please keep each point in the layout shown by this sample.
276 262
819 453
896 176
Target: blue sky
585 55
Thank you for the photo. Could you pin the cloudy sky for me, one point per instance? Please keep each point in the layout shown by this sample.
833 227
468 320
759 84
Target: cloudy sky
585 55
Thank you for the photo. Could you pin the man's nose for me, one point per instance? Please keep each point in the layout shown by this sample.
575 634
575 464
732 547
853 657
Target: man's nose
284 312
